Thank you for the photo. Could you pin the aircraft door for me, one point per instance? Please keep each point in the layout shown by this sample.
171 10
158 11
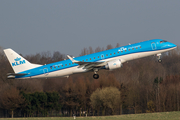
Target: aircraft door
45 71
153 45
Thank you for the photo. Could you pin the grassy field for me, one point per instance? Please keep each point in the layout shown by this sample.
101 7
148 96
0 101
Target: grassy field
146 116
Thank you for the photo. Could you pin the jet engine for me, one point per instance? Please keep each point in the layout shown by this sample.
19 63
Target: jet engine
113 64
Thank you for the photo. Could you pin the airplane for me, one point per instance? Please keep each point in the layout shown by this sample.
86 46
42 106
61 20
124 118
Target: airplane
108 59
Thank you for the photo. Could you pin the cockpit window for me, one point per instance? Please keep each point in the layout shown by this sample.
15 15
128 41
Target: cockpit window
163 41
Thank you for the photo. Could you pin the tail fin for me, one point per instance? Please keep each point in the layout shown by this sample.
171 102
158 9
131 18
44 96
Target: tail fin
18 63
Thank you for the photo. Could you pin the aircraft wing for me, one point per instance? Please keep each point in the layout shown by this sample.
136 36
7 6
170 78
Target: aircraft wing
87 65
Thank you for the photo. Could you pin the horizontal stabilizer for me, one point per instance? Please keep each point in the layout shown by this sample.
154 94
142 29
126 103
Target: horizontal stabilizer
13 75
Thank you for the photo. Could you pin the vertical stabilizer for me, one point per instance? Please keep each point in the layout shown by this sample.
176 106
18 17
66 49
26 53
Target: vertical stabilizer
18 63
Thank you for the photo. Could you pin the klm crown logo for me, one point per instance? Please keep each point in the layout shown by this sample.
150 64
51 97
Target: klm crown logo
114 64
18 61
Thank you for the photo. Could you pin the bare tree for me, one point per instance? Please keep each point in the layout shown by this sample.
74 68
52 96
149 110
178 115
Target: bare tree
91 50
84 51
117 45
109 47
11 99
98 49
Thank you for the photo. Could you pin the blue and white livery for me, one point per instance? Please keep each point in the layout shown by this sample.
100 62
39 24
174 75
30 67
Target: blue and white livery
109 59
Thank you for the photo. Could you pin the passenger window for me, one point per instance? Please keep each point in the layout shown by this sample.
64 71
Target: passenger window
86 59
106 54
140 46
129 49
94 58
136 48
62 65
83 60
65 64
114 53
125 50
69 63
132 48
118 52
110 54
98 56
90 58
122 51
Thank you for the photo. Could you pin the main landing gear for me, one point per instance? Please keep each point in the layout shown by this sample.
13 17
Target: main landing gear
95 76
160 61
159 58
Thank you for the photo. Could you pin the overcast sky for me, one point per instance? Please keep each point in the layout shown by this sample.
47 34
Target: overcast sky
68 26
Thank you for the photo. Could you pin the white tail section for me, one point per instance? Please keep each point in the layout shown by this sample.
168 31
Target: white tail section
18 63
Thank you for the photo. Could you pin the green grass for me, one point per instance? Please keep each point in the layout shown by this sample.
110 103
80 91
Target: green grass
145 116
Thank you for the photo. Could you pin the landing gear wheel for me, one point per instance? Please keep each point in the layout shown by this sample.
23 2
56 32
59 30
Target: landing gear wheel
95 76
160 61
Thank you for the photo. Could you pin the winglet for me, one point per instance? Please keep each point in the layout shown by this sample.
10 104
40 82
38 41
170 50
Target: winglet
74 61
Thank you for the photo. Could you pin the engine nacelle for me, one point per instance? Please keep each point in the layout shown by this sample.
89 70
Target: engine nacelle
113 64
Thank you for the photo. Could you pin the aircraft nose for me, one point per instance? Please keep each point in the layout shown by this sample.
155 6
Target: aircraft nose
173 45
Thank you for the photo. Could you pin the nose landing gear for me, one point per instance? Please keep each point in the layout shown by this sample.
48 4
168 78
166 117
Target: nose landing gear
159 58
